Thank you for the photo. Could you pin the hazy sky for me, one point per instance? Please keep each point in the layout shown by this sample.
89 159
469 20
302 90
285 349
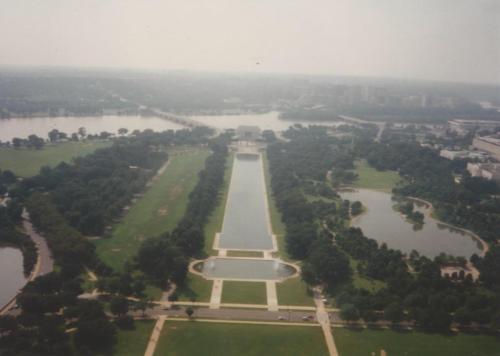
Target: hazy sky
456 40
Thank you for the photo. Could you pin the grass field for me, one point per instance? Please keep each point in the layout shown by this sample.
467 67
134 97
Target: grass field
159 210
244 292
360 281
133 342
245 254
362 343
370 178
190 338
214 224
278 227
27 162
294 291
196 289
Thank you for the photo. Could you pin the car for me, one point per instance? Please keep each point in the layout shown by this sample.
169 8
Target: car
307 318
281 318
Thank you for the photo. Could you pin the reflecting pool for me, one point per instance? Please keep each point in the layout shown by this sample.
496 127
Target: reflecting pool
246 221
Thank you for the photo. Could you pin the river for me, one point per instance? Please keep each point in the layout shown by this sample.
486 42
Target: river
382 223
40 126
267 121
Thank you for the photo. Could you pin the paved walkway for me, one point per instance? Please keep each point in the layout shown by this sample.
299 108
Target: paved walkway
216 296
155 336
324 320
272 298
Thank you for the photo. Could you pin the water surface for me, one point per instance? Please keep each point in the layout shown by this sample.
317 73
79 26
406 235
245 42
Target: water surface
23 127
245 268
384 224
268 121
246 222
11 273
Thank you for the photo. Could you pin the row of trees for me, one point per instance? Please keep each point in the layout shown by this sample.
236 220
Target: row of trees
165 258
300 167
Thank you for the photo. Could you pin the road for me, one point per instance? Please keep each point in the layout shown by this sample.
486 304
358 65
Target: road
45 263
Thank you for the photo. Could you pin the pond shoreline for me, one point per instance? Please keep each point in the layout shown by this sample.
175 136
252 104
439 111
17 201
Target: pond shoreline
456 247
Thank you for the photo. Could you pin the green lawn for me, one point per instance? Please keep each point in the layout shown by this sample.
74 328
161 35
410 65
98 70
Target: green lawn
159 210
190 338
359 281
363 343
245 254
244 292
27 162
214 224
370 178
279 228
294 291
134 342
197 289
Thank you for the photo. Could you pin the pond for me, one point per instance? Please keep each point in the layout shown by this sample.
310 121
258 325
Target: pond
383 224
246 269
23 127
246 220
11 273
267 121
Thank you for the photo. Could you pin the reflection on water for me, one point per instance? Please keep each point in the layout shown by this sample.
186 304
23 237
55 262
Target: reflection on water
384 224
241 268
23 127
11 273
268 121
246 223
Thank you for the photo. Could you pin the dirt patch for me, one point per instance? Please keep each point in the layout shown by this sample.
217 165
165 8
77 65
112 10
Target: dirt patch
140 238
162 212
116 249
176 191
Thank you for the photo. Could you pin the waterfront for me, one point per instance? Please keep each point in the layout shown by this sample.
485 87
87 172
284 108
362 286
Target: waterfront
40 126
11 273
382 223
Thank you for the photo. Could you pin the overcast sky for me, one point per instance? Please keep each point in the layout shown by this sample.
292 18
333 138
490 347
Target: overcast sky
455 40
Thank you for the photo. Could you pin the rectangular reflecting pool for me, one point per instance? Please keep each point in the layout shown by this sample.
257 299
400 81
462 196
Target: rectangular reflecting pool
246 221
243 268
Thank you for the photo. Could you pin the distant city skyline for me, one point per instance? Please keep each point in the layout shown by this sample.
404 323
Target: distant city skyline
446 40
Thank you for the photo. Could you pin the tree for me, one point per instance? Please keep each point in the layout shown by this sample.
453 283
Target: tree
17 142
82 132
35 141
95 334
326 264
356 208
394 313
189 311
74 137
54 135
122 131
119 305
462 316
349 312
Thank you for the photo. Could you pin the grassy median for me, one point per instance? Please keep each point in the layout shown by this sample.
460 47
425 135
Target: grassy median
213 339
366 342
158 211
